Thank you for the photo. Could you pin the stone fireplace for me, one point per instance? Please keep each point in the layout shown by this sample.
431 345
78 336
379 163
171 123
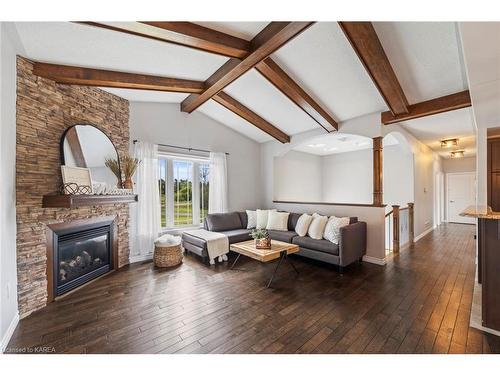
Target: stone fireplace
45 110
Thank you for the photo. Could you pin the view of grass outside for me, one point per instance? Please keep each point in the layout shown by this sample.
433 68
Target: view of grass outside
183 191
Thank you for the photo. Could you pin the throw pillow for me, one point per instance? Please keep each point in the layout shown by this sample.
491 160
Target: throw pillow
303 224
262 216
332 229
277 221
317 227
252 219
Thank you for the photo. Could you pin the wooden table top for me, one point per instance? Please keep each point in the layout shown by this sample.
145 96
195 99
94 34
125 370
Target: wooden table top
264 255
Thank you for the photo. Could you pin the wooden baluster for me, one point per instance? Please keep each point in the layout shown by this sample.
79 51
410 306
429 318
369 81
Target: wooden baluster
411 225
395 229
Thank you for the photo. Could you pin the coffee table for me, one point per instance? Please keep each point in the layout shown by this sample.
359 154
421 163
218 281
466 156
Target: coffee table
279 250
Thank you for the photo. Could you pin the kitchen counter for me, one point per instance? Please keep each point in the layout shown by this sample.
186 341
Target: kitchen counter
481 212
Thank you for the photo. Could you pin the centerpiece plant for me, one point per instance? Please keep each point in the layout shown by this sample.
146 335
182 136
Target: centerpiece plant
262 239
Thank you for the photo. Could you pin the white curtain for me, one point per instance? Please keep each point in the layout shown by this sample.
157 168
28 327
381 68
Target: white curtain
148 206
217 193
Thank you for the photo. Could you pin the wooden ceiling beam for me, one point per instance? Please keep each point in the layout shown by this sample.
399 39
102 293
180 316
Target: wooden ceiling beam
271 38
236 107
74 75
208 40
366 44
183 33
430 107
274 74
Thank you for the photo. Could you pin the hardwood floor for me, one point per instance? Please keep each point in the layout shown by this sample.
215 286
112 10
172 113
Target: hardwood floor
419 303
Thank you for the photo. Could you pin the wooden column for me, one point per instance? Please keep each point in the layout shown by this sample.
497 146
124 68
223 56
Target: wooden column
411 224
395 229
378 198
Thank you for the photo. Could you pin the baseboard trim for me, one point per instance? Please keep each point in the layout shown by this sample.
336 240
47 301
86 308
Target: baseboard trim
425 233
140 258
10 331
378 261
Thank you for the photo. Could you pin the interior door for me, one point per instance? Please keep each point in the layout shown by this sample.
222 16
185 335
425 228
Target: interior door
461 193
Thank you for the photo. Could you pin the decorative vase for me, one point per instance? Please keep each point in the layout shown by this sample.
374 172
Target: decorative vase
263 243
128 184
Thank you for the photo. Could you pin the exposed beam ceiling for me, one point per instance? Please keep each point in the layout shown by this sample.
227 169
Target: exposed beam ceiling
274 35
366 44
183 33
236 107
430 107
74 75
274 74
208 40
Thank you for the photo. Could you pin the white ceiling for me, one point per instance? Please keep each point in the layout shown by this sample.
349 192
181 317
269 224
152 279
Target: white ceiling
425 56
431 130
336 143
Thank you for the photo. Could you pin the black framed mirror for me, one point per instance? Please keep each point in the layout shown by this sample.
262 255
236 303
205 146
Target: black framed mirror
86 146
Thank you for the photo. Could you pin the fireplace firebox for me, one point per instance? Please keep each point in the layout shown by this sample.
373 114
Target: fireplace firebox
78 252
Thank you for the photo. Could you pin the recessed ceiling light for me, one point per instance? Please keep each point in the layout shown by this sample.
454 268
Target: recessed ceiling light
457 154
447 143
316 145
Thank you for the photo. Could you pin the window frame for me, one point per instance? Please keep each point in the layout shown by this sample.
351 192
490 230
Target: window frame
169 189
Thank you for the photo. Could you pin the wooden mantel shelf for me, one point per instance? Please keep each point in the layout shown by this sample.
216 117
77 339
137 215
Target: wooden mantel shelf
71 201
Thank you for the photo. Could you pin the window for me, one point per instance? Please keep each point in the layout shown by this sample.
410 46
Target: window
184 189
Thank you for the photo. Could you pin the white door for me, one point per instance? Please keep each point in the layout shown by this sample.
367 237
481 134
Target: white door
461 193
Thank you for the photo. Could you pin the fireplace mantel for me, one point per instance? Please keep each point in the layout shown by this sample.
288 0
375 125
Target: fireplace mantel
72 201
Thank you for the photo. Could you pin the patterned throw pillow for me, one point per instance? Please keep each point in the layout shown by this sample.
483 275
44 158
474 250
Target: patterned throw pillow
317 227
252 219
303 224
332 229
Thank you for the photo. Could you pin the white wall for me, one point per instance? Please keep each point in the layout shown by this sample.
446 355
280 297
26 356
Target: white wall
348 177
166 124
10 46
297 177
459 165
398 175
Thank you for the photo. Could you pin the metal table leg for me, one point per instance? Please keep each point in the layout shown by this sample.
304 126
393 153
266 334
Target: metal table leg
232 265
282 256
291 263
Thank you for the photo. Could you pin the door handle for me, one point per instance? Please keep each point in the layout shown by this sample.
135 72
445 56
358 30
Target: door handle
452 201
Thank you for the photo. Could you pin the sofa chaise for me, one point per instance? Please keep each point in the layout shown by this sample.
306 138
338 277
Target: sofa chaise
351 247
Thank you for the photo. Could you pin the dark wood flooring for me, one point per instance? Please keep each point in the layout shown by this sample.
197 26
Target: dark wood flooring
419 303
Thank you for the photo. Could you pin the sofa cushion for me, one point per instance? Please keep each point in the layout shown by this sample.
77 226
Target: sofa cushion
243 219
277 221
324 246
223 222
237 235
292 220
353 219
196 241
280 235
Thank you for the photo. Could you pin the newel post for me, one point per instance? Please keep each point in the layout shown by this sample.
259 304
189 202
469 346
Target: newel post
411 224
378 198
395 229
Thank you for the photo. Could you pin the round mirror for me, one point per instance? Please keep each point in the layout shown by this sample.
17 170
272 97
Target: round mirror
85 146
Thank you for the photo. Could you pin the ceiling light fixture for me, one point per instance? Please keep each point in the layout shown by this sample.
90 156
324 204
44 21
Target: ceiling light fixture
447 143
457 154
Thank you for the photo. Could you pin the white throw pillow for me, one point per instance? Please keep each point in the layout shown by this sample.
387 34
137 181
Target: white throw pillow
332 229
252 219
303 224
262 216
277 220
317 227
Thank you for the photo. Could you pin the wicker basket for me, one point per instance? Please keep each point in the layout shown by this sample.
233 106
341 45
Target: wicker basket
167 256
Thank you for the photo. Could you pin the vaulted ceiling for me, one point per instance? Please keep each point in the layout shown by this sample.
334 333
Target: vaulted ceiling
426 59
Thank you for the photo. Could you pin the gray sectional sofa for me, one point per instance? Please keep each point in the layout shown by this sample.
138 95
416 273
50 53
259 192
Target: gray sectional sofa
351 247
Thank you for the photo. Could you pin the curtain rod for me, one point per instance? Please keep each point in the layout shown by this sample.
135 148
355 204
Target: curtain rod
180 147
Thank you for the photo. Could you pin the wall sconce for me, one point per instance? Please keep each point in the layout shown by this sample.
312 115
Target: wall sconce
447 143
457 154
